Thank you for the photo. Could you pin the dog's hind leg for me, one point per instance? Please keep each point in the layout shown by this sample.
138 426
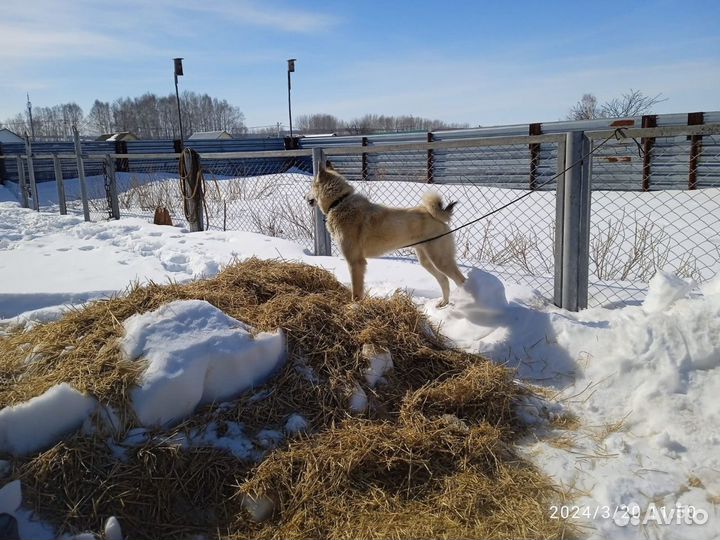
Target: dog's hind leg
442 254
442 279
357 276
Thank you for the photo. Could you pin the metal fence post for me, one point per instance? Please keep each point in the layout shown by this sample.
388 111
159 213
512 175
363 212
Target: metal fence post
321 235
60 184
22 186
81 174
559 221
31 174
112 192
576 223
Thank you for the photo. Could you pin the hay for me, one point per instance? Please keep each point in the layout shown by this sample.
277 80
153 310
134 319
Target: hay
424 479
441 428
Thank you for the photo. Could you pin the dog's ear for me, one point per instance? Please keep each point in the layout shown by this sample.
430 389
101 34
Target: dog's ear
329 165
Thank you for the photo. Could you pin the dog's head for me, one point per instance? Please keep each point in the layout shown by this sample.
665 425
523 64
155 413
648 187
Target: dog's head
327 186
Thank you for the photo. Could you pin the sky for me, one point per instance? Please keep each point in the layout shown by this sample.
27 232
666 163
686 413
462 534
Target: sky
481 63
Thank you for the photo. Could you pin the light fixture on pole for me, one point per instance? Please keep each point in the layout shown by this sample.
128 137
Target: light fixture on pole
291 69
178 73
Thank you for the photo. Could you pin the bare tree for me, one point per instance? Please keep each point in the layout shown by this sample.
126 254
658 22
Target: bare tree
585 109
632 103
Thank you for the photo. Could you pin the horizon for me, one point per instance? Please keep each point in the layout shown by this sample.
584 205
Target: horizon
490 65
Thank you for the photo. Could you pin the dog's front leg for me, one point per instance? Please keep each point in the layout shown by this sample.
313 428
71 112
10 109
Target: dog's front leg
357 276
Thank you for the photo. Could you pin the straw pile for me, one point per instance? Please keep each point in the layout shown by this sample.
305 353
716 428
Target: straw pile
431 457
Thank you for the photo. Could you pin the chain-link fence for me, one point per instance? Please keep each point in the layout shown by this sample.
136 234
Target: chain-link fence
517 242
653 200
655 204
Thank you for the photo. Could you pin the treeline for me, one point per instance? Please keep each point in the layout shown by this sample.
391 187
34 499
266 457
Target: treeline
368 124
148 116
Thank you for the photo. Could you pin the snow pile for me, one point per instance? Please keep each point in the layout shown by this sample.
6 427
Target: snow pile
196 355
477 309
643 381
41 421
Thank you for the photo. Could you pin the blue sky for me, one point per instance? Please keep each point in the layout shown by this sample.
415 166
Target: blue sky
484 63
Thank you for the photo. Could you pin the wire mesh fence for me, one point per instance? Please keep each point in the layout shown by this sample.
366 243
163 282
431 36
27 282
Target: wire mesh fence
654 199
516 243
655 204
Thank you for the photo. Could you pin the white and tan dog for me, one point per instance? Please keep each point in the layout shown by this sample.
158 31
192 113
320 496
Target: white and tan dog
363 229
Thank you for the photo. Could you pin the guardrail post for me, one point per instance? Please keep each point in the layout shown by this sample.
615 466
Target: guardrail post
60 184
31 173
575 223
112 187
430 160
321 235
81 174
22 183
534 129
364 161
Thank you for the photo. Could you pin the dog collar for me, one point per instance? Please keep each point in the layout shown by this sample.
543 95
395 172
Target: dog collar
337 201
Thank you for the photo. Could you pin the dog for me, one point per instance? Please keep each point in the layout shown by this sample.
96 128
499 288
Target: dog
364 229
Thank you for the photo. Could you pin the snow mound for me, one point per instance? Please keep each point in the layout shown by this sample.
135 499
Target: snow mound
477 309
664 290
197 354
39 422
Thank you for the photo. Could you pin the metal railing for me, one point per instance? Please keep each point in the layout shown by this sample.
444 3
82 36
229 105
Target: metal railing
602 214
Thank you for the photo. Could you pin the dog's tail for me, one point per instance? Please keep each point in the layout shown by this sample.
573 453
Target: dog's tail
433 203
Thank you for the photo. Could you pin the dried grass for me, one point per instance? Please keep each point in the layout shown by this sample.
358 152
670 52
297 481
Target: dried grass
431 458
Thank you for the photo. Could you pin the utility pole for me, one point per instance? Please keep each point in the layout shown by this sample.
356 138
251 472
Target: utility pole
179 72
32 126
291 69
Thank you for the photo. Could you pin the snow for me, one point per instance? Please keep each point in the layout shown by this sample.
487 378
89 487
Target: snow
112 530
196 355
296 423
234 440
380 363
358 400
643 380
10 497
41 421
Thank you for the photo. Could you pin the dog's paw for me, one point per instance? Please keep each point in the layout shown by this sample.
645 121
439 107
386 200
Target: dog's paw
442 304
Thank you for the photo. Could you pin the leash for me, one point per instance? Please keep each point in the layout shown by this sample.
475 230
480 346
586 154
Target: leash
618 134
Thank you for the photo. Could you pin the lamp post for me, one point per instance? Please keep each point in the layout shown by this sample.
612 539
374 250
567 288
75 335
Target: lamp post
291 69
179 73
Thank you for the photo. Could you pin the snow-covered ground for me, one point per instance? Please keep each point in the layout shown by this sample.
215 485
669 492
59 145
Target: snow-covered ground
643 381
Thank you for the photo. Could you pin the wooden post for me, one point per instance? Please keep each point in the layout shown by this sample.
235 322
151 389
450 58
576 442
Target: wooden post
112 187
22 186
534 129
60 184
648 121
694 119
31 173
364 165
430 160
191 178
81 174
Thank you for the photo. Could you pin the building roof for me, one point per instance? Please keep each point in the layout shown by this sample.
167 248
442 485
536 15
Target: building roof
9 136
199 135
